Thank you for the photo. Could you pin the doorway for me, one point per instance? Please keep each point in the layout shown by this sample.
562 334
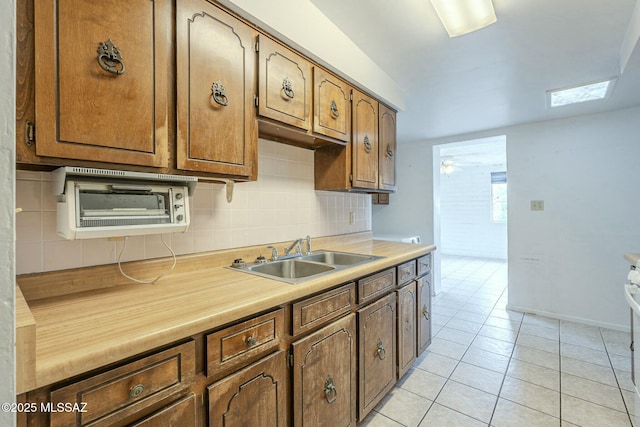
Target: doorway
470 202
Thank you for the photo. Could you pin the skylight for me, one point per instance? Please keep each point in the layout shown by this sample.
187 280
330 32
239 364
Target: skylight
573 95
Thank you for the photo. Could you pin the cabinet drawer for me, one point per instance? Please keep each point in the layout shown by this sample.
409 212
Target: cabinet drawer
424 264
180 413
319 310
232 346
122 391
377 285
406 272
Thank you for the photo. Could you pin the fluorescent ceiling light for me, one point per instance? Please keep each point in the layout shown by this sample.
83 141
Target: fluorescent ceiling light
582 93
464 16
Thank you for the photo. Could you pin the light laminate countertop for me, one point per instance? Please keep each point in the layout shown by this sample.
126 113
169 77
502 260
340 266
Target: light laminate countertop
79 332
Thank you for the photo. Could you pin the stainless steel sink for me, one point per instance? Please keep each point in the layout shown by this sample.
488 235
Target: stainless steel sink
291 268
337 258
301 268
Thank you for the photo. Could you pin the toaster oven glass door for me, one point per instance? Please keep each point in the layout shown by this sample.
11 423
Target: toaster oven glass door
123 205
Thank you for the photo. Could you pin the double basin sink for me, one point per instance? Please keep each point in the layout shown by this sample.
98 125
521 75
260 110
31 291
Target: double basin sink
300 268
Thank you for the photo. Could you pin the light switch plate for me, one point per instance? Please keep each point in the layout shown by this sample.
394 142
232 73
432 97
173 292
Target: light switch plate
537 205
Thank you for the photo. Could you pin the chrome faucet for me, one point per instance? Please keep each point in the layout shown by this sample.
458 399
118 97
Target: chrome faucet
296 244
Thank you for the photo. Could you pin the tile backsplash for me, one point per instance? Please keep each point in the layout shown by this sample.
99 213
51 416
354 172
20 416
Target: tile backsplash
280 206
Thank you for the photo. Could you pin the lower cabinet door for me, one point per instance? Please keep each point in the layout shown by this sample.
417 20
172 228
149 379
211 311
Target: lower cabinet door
377 359
324 376
253 396
424 313
407 305
178 414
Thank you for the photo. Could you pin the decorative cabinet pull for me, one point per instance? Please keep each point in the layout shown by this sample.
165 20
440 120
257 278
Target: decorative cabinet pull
382 353
389 150
251 341
136 391
334 110
287 89
219 94
425 312
330 392
367 144
109 58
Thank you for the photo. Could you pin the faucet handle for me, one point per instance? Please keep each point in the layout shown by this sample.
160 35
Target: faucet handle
308 245
274 252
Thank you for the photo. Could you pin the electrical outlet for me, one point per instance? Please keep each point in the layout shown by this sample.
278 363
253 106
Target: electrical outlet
537 205
352 218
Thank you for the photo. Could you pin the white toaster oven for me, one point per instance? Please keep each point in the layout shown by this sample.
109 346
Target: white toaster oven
94 203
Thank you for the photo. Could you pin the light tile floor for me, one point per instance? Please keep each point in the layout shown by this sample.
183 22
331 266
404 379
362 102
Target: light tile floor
491 366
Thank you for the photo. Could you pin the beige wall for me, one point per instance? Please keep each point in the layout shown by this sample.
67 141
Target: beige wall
281 205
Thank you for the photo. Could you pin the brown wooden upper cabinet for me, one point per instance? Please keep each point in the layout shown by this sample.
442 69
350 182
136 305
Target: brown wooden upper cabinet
356 166
365 141
101 80
331 106
284 82
368 163
387 153
217 126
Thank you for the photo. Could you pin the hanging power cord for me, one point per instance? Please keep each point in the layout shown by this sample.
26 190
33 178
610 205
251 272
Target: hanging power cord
146 282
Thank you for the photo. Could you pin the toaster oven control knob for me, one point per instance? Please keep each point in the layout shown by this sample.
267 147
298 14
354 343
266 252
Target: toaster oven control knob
178 196
180 218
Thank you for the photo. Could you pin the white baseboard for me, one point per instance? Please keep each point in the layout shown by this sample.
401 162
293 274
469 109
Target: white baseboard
614 326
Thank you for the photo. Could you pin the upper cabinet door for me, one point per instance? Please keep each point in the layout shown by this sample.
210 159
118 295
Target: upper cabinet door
365 141
101 80
387 160
331 106
285 85
217 127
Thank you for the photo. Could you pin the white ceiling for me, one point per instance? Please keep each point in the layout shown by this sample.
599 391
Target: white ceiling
497 76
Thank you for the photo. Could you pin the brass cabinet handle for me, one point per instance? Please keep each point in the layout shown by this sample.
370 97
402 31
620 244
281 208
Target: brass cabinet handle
334 110
110 58
389 150
425 312
219 93
330 392
287 89
367 144
136 391
251 341
382 353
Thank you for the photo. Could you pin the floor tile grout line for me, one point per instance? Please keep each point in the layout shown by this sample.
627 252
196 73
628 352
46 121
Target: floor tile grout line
507 369
560 370
624 402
